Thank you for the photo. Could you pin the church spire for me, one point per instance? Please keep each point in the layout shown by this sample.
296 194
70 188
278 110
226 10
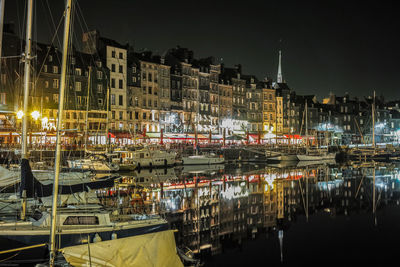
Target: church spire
279 78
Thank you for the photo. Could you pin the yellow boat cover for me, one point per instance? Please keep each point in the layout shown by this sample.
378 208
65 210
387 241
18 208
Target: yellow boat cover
154 249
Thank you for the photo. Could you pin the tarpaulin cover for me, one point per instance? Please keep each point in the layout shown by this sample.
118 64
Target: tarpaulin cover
152 250
8 178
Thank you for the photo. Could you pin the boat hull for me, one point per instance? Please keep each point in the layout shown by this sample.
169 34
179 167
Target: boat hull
155 162
328 156
283 158
194 160
98 167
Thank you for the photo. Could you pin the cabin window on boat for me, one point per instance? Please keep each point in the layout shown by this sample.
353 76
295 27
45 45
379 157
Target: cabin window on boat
81 220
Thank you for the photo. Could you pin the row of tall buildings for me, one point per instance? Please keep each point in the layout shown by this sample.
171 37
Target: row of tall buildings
109 85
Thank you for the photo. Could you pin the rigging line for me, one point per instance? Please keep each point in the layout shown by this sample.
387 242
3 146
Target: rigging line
91 40
52 20
6 57
48 50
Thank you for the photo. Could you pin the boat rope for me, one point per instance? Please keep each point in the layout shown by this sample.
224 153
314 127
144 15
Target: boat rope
12 256
23 248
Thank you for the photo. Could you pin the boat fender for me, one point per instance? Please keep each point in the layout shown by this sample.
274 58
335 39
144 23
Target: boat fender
113 236
96 238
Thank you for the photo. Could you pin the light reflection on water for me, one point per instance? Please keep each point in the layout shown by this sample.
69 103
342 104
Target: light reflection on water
241 214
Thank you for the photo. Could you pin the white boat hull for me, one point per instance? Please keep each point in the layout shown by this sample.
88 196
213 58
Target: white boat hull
328 156
202 160
168 160
88 165
283 158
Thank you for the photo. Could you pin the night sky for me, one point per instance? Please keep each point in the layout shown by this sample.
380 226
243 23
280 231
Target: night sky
331 46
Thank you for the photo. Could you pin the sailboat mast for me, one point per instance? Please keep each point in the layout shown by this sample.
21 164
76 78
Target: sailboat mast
1 26
373 123
306 123
27 79
87 110
27 72
107 119
59 127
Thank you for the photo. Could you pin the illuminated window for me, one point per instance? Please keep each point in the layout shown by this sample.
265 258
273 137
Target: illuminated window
78 86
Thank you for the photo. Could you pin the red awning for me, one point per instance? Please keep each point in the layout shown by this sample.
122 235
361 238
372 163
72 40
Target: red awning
293 136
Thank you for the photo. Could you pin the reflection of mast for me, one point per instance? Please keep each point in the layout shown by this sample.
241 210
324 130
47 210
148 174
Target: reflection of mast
307 192
302 196
374 198
280 236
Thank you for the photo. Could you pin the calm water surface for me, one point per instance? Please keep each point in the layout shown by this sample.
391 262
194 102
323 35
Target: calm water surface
257 215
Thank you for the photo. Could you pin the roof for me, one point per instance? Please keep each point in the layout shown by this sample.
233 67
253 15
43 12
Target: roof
111 42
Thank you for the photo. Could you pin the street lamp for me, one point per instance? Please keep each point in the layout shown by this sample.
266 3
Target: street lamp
35 115
20 114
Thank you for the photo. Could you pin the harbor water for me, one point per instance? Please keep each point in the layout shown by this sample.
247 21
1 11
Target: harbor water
256 215
279 215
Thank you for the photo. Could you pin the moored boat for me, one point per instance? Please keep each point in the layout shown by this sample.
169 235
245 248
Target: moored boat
149 157
204 159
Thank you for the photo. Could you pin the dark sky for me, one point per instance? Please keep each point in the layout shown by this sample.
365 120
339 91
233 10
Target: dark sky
337 46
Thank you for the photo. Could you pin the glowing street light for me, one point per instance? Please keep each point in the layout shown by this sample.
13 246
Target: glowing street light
20 114
35 115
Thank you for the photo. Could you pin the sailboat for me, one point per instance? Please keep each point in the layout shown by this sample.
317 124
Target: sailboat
313 154
371 153
97 162
203 159
25 240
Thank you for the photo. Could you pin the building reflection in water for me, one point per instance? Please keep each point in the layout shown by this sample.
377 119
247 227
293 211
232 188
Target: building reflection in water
224 205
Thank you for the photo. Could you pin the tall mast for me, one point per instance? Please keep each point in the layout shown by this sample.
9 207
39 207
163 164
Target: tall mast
1 26
59 127
108 106
87 110
27 79
373 122
306 115
279 79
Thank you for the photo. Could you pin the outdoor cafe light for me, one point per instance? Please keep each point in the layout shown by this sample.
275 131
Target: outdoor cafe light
45 120
35 115
20 114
